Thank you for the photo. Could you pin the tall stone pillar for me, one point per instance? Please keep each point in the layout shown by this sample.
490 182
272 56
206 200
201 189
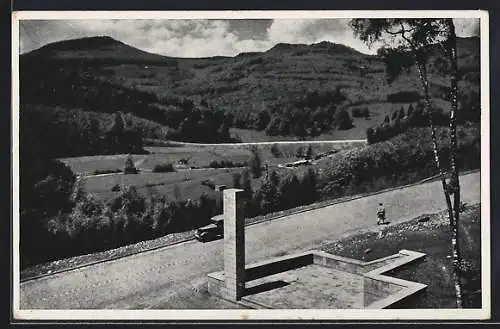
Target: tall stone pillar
234 244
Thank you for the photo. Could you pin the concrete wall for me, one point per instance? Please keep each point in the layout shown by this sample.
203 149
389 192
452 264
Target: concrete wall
277 265
348 265
379 291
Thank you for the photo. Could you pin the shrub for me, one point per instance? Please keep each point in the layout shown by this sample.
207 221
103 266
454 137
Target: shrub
214 164
166 167
343 120
130 166
116 188
226 164
237 180
361 112
275 150
300 151
394 115
402 113
89 206
106 171
50 191
356 112
371 135
255 163
130 201
246 182
309 153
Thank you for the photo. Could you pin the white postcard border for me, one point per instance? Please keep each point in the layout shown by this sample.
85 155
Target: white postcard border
289 314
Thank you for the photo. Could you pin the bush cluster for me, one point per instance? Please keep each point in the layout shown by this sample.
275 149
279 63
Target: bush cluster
403 159
361 112
402 120
106 171
280 193
93 226
166 167
226 164
130 166
275 151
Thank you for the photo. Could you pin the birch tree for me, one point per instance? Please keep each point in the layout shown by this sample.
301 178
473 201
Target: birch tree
407 43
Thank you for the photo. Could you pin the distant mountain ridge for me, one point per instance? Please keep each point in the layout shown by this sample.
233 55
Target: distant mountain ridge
91 49
108 43
104 75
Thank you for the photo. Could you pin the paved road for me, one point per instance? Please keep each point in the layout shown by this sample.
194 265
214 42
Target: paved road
337 141
157 278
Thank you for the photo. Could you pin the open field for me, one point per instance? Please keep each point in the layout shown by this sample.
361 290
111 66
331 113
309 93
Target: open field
188 181
189 176
199 156
86 165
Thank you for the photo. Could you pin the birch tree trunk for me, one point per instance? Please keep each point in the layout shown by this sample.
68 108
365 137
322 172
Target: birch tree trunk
422 73
451 44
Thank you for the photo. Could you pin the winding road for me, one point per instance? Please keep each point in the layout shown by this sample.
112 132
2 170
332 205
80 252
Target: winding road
163 278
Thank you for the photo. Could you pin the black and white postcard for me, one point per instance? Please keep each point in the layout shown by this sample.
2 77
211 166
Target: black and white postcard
271 165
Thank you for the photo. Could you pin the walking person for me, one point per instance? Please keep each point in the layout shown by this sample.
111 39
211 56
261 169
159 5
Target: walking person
380 214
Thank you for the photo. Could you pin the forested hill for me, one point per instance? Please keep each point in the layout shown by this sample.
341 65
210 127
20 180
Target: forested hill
93 49
291 89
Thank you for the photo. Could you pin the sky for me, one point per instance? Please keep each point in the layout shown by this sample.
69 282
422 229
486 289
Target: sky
204 38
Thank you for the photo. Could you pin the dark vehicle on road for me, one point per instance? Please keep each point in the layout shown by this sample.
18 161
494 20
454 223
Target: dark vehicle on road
212 231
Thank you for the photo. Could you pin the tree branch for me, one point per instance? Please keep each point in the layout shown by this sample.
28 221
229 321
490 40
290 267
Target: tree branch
403 31
392 33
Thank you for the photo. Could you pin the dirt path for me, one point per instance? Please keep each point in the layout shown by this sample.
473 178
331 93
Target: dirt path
163 278
339 141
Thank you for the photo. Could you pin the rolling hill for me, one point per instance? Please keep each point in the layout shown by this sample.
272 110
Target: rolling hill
284 86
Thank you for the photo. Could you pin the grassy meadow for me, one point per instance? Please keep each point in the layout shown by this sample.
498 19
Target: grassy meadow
191 163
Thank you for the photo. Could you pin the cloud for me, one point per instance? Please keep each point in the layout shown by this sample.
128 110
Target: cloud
467 27
309 31
183 38
202 38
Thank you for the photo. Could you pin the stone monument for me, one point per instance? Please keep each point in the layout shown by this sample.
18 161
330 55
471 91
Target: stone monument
234 244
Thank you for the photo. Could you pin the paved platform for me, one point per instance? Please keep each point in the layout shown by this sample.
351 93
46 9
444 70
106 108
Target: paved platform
313 287
319 280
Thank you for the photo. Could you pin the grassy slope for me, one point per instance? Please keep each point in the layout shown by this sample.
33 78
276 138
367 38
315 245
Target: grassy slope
189 181
432 238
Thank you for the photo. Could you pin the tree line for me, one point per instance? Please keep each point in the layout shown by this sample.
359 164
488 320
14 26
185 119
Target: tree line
85 224
419 115
277 192
403 159
309 114
73 87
